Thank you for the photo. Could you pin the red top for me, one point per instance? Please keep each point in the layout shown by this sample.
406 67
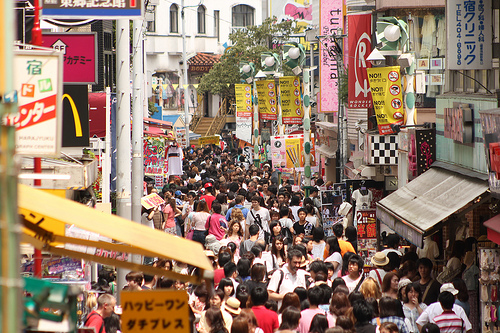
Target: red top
218 275
209 199
266 319
95 320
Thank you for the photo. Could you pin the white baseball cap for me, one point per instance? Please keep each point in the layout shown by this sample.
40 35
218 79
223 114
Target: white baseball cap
448 287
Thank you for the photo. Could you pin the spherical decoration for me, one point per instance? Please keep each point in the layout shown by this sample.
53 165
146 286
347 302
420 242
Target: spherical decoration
270 61
392 33
246 68
294 53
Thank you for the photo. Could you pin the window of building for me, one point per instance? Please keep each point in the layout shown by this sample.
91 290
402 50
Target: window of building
174 18
150 18
217 24
243 16
201 19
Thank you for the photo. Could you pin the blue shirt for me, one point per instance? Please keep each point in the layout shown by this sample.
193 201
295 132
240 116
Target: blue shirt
400 322
243 210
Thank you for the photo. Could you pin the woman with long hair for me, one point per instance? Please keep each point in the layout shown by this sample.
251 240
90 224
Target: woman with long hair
237 215
289 299
370 288
318 243
319 324
290 320
334 256
227 286
278 250
257 276
390 285
339 305
215 321
199 220
249 316
391 310
413 305
234 234
169 213
240 325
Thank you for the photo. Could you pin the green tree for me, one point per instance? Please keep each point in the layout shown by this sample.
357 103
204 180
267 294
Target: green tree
248 44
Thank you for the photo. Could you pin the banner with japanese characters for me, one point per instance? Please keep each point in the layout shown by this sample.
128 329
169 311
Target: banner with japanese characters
385 85
359 48
287 153
154 155
331 19
367 234
244 111
291 104
38 123
155 311
268 105
469 34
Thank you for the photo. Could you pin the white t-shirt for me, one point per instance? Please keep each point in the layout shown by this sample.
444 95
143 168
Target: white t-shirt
350 283
174 158
335 257
318 250
289 283
264 217
286 222
374 275
362 201
435 309
313 220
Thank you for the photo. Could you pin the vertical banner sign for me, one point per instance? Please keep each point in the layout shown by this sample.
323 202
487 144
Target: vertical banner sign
244 111
367 234
75 129
385 84
155 311
266 91
426 149
359 48
154 156
38 80
469 34
331 18
180 135
291 104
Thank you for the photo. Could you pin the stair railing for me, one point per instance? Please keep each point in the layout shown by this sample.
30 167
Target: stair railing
197 116
219 120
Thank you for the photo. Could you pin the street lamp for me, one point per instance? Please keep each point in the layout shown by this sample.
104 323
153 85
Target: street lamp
294 56
247 74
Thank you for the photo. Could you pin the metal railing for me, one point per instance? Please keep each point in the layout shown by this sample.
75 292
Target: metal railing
197 116
219 120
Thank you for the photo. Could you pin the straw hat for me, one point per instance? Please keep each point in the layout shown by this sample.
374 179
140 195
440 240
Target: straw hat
232 306
380 259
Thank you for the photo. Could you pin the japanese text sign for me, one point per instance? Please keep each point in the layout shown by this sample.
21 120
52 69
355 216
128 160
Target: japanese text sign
359 42
155 311
367 224
468 26
243 94
331 18
107 9
80 55
180 135
60 265
266 91
209 140
151 201
287 153
154 155
38 80
385 84
291 104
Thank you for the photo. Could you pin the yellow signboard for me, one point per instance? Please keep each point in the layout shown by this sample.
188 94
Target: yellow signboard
155 311
291 105
385 85
243 94
208 140
268 105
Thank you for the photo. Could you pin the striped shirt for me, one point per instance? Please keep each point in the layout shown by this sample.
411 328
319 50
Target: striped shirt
449 322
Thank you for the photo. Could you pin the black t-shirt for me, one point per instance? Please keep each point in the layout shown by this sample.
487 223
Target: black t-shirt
305 229
433 292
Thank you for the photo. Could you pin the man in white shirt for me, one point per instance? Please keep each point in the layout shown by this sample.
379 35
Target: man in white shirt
258 215
435 309
289 277
379 260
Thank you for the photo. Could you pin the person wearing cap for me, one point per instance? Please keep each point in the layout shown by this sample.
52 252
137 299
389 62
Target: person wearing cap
429 286
380 261
448 321
436 309
208 196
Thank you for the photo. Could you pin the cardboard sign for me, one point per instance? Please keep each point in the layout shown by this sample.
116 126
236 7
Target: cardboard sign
155 311
151 201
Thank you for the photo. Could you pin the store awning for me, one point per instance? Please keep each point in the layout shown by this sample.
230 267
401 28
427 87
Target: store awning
493 229
416 210
46 217
329 152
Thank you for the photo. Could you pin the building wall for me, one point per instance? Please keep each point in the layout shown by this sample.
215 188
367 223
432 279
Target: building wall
470 156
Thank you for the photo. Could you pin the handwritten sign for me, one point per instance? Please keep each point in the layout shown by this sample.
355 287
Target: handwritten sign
155 311
151 201
63 264
154 156
208 140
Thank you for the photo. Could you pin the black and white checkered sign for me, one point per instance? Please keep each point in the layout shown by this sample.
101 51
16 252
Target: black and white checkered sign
384 149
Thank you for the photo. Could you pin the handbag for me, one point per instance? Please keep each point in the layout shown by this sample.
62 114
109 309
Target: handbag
190 233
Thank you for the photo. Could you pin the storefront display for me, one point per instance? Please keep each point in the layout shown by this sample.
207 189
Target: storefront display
330 203
489 305
367 234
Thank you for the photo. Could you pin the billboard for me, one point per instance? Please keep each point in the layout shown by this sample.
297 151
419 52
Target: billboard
95 9
268 105
287 153
291 104
244 111
38 80
80 55
359 48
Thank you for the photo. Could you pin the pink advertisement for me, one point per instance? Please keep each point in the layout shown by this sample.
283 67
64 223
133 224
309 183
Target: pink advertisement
80 55
331 18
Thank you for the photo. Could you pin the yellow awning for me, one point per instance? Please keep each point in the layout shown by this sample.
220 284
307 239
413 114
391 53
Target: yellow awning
45 217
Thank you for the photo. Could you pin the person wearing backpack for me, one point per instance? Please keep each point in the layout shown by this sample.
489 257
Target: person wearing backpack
287 278
260 216
105 307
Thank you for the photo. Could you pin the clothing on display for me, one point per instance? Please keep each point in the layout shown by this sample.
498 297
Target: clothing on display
489 260
363 198
429 250
174 158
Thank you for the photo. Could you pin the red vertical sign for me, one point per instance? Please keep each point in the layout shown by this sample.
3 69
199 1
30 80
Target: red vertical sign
360 47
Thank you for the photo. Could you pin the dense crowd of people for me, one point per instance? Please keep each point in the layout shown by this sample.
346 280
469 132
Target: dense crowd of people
274 268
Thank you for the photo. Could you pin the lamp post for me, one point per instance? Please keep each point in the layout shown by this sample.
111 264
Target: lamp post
247 74
271 65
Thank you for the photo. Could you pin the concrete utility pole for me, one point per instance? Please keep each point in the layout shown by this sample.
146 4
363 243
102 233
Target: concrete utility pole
185 70
137 126
123 165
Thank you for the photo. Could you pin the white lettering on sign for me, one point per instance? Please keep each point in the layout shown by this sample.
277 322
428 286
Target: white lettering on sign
361 51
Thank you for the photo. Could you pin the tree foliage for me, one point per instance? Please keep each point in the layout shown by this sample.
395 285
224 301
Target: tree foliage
248 44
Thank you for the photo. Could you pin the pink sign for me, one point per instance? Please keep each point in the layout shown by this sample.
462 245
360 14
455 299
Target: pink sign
80 55
331 18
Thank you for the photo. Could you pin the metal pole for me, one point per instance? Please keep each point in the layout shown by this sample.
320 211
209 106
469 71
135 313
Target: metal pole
256 158
106 163
123 138
185 69
10 284
307 131
137 127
